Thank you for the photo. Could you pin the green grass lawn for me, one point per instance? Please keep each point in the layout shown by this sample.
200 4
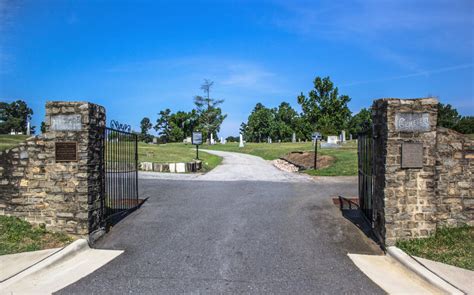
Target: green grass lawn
345 157
17 236
454 246
8 141
175 152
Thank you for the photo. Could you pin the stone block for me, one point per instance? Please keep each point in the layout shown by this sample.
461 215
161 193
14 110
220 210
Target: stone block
180 167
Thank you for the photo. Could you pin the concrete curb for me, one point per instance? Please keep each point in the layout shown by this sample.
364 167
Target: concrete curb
67 252
424 273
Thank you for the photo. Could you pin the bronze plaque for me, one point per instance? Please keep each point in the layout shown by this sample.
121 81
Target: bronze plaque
66 151
412 155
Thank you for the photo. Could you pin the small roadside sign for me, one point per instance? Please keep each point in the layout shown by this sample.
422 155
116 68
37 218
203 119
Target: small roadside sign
197 138
316 135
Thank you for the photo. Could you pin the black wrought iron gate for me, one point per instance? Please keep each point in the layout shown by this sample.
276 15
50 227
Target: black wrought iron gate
120 174
366 168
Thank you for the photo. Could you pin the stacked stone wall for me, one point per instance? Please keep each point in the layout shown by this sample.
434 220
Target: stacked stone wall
61 195
454 178
413 202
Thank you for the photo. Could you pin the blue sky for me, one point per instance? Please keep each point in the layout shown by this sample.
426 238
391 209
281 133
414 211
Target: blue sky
139 57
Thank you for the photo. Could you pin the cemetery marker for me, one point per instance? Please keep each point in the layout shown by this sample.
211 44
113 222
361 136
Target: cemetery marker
316 136
197 140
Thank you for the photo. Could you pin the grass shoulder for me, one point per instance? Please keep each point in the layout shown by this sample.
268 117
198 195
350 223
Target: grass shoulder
17 235
8 141
454 246
175 152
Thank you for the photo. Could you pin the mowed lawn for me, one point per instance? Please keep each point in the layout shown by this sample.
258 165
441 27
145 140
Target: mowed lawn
8 141
345 157
175 152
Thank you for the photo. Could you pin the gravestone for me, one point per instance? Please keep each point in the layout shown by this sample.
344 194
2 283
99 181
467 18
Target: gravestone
269 139
293 138
241 141
155 140
332 139
332 142
343 136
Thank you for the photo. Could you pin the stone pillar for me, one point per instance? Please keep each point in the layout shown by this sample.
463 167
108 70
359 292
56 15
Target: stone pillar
77 183
404 154
241 141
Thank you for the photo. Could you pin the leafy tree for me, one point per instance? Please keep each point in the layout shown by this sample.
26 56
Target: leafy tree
448 116
360 122
465 125
163 125
43 127
261 124
186 122
14 116
324 108
145 126
286 121
233 138
208 110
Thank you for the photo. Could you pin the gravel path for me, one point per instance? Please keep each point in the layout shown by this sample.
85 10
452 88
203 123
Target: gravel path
236 167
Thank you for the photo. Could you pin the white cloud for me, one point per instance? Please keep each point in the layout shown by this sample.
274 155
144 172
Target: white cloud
246 75
416 74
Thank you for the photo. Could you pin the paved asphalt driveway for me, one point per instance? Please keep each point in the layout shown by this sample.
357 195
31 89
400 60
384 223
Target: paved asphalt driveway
246 233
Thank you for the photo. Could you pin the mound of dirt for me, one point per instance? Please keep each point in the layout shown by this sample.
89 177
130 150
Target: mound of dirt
305 160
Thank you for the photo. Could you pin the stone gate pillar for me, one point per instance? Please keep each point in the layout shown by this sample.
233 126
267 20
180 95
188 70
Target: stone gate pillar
55 179
74 141
404 155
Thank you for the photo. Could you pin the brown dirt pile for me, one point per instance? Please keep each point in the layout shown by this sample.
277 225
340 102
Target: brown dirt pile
306 159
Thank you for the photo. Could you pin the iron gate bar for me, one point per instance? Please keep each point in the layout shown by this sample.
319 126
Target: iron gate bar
365 172
120 161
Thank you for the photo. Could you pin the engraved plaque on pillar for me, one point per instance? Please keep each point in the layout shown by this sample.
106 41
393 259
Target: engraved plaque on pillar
66 151
412 122
66 122
412 155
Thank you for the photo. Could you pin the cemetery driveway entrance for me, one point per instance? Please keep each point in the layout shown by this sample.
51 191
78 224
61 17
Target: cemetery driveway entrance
253 229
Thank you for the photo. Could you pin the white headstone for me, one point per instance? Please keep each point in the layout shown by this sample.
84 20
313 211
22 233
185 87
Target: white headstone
332 139
343 136
293 138
269 139
155 140
241 142
350 136
28 128
212 139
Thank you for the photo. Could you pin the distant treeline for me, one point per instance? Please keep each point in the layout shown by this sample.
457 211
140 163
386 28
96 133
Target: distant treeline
327 112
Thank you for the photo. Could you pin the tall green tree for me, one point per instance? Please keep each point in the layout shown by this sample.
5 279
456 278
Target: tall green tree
145 126
162 125
360 122
14 116
208 110
448 116
261 124
465 125
324 108
286 120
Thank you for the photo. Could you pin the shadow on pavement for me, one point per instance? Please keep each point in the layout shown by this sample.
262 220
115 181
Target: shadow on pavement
350 210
